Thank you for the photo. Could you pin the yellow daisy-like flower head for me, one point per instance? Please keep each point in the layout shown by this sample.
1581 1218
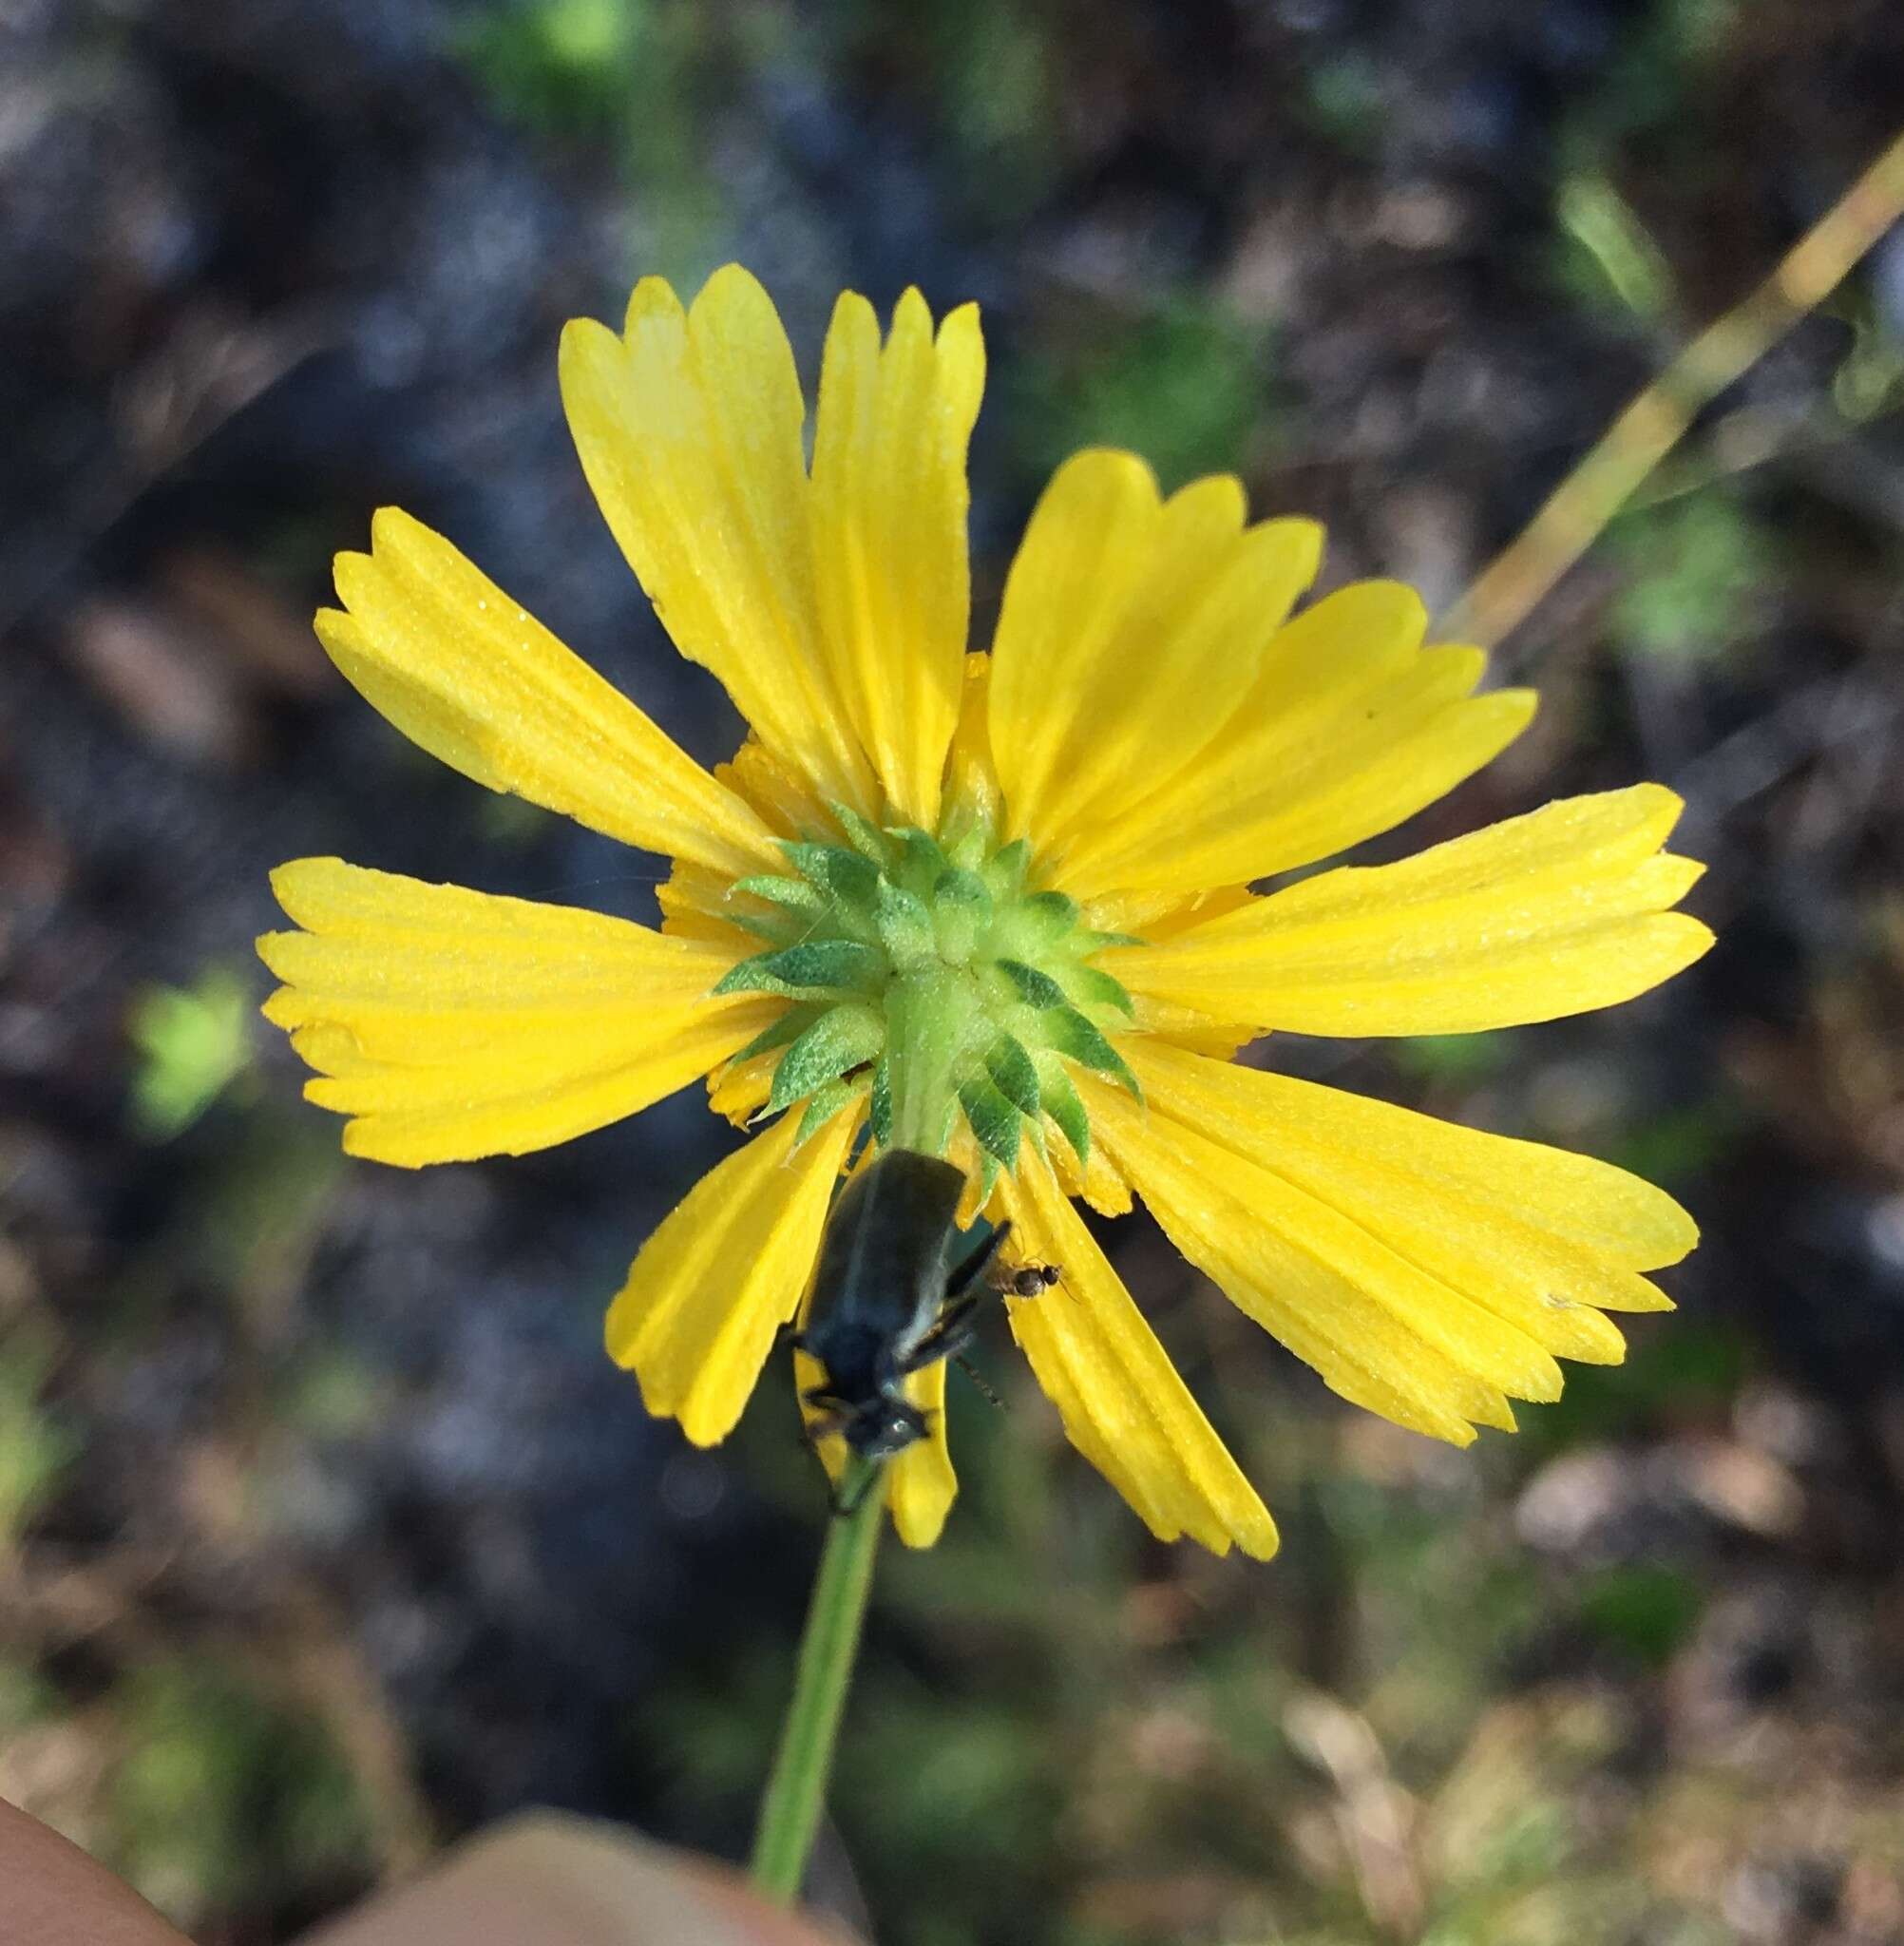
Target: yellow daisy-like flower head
993 908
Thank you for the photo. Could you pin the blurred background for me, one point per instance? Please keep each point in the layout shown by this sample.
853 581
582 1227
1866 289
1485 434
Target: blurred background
326 1530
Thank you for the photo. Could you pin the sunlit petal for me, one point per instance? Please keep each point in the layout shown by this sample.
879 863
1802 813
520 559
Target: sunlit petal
462 671
688 425
920 1484
889 506
1124 1408
727 1268
1150 618
451 1025
1543 1238
1554 913
1382 1333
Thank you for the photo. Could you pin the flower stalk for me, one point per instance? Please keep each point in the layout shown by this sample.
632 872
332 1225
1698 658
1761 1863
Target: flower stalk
796 1798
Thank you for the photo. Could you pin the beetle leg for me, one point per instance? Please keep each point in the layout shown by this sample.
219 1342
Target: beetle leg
975 1263
946 1338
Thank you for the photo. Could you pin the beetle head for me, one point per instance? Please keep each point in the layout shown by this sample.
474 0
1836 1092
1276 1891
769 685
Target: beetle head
886 1427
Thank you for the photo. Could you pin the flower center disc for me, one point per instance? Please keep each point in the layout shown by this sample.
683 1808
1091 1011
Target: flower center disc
934 975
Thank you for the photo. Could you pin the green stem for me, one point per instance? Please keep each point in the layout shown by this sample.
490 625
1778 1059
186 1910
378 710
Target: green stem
796 1792
929 1018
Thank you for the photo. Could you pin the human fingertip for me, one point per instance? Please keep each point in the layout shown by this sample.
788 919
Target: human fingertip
545 1879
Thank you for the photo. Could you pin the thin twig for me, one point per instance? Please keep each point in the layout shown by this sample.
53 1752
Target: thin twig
1602 482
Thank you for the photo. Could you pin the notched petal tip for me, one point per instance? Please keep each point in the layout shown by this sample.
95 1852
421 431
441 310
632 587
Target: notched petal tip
1519 705
295 886
280 1006
352 572
1111 464
1399 606
1259 1539
918 1525
1673 1235
1457 667
1652 809
912 315
337 628
1219 498
651 299
960 352
584 340
961 328
271 949
702 1423
733 283
853 314
1678 941
369 1139
1302 541
392 527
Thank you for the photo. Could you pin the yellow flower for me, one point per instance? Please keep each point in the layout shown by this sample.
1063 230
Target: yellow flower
994 907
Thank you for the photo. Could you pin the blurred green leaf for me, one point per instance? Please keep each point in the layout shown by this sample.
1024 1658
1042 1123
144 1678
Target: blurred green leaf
35 1446
1182 389
988 67
1696 571
223 1794
1683 1370
1680 1143
562 65
1451 1060
1869 379
1648 1611
1341 99
1610 251
1663 58
643 77
191 1043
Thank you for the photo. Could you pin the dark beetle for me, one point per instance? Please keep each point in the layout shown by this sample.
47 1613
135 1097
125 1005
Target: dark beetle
888 1302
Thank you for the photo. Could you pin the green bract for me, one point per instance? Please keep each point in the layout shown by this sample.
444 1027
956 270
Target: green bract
934 976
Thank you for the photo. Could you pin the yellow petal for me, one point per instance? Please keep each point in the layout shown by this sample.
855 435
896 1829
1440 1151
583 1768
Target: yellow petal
1082 558
727 1268
920 1484
889 504
439 649
453 1024
1315 676
1535 1235
740 1089
1380 1332
1152 618
1268 800
783 798
811 1375
1162 914
701 905
1123 1405
1553 913
688 425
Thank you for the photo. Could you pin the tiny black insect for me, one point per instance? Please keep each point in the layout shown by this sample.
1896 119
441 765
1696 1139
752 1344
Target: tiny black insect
888 1301
1028 1280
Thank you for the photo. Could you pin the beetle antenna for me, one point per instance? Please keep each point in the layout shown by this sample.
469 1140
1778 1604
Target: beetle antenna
971 1371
